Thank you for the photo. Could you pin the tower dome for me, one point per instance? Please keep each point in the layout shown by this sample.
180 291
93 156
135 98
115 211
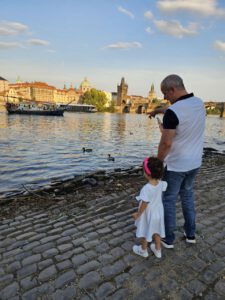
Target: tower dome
85 85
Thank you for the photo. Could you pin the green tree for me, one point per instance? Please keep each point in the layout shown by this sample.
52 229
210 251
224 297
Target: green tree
95 97
111 108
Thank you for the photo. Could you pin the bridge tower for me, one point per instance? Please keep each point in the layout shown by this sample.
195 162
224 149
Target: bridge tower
152 94
122 90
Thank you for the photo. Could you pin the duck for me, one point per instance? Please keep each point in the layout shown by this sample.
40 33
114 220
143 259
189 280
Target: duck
131 133
110 158
86 149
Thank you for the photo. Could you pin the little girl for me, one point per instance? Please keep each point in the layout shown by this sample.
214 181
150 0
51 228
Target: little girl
149 219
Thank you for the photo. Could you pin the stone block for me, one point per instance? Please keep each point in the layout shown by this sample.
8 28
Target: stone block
90 266
90 280
65 247
66 294
44 264
66 264
64 279
9 291
47 273
104 290
220 287
28 283
26 271
78 260
31 259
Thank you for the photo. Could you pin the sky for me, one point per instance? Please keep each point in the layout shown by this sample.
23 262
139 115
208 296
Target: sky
61 42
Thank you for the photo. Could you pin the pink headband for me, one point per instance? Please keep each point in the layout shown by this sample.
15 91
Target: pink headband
146 168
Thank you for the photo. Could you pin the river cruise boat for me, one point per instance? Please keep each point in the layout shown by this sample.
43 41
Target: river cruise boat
79 108
34 108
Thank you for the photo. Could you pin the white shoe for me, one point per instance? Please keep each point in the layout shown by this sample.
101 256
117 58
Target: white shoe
158 253
139 251
190 240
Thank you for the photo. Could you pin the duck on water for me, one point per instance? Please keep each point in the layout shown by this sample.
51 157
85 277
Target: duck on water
86 149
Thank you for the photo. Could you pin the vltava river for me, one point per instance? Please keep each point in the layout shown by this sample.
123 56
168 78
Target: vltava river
37 150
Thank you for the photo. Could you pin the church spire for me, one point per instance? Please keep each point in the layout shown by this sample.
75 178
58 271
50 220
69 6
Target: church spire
18 79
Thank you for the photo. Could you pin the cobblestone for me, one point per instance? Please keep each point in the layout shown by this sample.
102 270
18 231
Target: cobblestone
57 254
65 278
90 280
47 273
9 291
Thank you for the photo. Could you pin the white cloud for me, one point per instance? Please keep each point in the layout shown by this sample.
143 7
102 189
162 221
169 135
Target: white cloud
219 45
149 30
202 7
8 45
126 12
176 29
37 42
12 28
148 15
124 45
51 51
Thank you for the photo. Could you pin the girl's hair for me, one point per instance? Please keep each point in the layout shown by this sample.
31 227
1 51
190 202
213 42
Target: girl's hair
153 166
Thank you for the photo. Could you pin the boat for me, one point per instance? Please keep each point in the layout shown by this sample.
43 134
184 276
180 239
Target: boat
79 108
34 108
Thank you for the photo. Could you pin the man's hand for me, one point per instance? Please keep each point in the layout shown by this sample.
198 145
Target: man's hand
159 110
152 114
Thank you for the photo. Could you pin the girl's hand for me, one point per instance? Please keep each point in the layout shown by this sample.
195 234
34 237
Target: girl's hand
136 216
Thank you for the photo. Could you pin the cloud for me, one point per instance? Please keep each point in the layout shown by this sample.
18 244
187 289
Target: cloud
37 42
202 7
148 15
51 51
126 12
219 45
149 30
12 28
175 29
124 45
9 45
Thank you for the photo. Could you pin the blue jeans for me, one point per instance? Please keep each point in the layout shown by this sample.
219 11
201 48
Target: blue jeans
179 183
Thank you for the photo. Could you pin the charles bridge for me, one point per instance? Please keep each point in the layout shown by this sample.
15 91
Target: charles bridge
140 106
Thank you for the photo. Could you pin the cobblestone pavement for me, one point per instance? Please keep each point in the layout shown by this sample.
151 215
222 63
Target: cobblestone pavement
61 254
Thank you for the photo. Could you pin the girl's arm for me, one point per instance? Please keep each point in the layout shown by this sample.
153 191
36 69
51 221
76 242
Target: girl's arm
141 209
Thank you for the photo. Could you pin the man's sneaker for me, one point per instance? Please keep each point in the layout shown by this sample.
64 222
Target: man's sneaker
139 251
166 245
158 253
189 239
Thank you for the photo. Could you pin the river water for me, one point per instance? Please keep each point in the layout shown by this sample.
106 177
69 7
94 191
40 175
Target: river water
38 150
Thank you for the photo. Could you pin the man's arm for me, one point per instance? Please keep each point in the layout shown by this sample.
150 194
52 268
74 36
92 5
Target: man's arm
165 142
157 111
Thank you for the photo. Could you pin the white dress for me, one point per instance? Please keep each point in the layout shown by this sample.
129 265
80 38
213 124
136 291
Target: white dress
151 220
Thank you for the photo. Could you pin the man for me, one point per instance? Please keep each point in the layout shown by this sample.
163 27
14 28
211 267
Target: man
181 148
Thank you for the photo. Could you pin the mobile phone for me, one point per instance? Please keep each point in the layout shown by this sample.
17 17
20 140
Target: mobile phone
159 121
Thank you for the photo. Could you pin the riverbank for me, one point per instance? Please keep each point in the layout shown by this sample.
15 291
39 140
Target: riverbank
75 241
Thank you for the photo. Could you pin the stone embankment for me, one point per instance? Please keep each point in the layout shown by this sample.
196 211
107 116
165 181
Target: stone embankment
75 242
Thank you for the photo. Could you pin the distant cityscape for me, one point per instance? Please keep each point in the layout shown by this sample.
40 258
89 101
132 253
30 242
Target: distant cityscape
43 92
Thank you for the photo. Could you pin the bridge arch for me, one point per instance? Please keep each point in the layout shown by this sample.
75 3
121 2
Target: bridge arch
126 109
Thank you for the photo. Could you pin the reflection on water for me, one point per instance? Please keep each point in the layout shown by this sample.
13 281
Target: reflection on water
39 149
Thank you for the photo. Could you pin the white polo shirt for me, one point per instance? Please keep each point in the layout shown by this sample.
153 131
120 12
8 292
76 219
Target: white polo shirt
187 146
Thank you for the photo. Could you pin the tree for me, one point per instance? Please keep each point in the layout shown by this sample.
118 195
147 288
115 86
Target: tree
111 108
96 98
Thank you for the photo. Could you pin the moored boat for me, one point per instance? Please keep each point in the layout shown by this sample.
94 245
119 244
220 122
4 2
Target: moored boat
79 108
34 108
